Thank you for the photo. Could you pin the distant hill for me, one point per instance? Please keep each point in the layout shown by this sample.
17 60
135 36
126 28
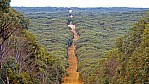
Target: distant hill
62 9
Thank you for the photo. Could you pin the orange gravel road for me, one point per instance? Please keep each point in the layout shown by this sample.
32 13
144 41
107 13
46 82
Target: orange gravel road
72 60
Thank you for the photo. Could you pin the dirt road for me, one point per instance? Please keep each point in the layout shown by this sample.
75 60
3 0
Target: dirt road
72 60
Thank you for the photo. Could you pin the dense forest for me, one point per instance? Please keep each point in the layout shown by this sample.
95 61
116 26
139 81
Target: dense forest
113 46
23 60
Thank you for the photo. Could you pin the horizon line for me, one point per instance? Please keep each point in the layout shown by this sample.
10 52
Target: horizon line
80 7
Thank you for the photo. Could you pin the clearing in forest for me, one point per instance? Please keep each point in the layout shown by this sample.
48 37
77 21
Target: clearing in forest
73 77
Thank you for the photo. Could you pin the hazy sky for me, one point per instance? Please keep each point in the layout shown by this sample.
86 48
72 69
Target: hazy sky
81 3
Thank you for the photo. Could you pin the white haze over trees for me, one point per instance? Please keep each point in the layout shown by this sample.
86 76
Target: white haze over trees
81 3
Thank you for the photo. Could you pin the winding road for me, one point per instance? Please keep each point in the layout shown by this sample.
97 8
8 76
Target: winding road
73 77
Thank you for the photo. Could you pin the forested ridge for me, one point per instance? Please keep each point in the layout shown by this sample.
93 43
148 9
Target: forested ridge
112 49
105 62
22 59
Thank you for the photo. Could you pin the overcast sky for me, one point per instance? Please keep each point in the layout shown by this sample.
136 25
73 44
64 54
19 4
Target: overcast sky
81 3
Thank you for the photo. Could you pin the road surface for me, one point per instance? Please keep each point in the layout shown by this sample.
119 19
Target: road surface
73 77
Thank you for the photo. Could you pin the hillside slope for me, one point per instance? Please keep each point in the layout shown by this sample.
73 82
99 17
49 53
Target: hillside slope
127 63
22 59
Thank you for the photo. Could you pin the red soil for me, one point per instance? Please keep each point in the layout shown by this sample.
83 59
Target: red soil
73 77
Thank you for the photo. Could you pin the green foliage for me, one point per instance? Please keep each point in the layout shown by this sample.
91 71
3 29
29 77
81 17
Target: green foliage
9 72
51 31
28 62
29 36
133 60
4 6
127 63
98 32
